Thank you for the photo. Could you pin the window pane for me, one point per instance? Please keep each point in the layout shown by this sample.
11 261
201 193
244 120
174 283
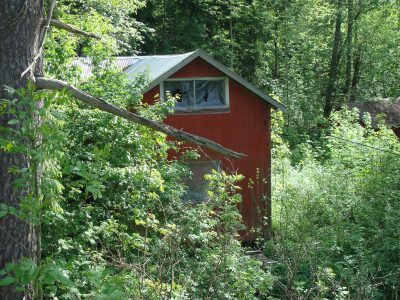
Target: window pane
182 90
210 93
197 185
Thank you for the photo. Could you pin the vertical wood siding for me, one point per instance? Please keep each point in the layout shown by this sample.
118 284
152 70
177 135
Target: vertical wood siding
244 128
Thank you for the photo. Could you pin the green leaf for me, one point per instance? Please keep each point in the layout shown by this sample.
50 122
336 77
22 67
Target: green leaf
3 213
59 276
65 280
13 122
7 281
12 210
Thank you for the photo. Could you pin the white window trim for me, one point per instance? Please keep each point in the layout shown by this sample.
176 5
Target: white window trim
191 109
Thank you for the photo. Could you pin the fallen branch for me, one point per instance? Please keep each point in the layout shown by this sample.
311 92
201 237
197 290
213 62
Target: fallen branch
60 25
52 84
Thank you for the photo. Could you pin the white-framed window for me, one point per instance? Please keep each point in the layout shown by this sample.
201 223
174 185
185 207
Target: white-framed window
199 93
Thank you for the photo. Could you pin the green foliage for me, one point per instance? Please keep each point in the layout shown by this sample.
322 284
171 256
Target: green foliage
336 215
40 142
228 30
34 132
109 206
111 20
124 229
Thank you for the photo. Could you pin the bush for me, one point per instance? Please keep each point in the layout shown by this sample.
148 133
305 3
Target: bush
109 207
336 215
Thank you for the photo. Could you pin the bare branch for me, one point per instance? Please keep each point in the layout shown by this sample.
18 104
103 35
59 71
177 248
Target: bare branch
103 105
60 25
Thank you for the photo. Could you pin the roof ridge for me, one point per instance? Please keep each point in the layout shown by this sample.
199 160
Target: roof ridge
166 55
138 56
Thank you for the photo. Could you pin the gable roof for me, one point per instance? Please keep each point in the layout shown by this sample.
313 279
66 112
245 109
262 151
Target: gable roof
391 110
161 67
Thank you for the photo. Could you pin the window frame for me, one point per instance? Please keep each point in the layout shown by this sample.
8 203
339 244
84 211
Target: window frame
188 109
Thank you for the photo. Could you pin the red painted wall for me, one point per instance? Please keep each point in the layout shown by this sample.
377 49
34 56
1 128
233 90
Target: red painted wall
244 128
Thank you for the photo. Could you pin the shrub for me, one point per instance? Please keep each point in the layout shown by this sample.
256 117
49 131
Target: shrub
336 215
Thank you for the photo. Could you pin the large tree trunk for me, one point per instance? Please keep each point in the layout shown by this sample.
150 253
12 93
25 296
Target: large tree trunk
333 69
20 27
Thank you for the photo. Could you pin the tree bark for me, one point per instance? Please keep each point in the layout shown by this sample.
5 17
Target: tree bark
20 35
356 74
333 69
275 70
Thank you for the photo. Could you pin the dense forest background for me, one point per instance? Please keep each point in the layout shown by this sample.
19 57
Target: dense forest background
108 202
314 56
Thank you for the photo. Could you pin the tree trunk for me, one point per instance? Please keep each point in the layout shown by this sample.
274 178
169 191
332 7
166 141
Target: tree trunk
275 71
333 70
356 74
20 27
349 45
277 14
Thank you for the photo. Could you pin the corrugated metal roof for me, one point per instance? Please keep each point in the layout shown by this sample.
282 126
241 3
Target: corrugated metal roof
160 67
85 64
155 65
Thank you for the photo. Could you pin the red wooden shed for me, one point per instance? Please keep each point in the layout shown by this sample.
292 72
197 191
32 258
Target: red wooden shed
217 104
